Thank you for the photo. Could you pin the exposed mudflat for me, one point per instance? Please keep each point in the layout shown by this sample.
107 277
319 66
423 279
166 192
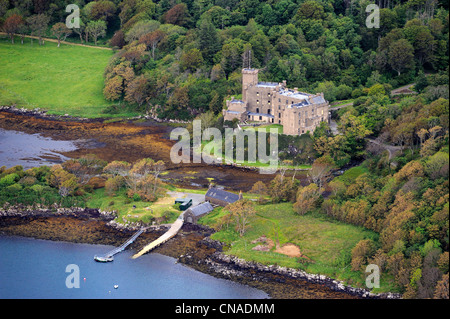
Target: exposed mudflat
130 141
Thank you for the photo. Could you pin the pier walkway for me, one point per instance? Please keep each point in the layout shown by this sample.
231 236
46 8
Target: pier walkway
173 230
109 255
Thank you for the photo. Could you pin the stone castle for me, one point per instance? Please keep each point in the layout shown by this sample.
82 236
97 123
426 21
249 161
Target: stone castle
270 102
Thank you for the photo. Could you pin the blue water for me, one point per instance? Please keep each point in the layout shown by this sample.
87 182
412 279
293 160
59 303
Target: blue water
31 268
30 150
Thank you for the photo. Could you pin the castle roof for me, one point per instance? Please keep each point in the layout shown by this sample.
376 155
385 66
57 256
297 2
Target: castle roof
267 84
294 95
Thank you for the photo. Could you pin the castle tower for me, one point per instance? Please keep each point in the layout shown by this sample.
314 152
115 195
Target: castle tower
249 78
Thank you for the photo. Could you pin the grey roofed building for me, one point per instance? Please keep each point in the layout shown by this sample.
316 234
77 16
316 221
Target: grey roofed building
220 197
192 214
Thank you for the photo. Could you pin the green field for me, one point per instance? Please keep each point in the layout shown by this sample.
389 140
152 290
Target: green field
64 80
326 242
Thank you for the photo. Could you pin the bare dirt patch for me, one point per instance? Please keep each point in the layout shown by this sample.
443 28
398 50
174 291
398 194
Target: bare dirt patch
267 244
290 250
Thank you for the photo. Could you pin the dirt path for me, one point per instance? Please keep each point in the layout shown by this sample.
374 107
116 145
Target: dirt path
403 90
392 149
63 42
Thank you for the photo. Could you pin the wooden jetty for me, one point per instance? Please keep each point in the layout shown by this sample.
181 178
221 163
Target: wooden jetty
109 256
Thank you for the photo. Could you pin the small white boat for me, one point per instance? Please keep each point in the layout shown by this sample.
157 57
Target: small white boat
116 286
103 259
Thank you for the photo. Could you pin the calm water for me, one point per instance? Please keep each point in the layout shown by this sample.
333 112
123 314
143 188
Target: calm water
31 268
30 150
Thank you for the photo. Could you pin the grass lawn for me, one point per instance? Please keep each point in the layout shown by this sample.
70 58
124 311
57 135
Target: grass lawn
64 80
328 243
144 211
266 127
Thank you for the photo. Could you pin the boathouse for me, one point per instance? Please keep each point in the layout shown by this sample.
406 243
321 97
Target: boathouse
220 197
192 214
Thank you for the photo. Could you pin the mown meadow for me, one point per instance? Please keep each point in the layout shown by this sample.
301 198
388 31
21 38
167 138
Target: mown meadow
64 80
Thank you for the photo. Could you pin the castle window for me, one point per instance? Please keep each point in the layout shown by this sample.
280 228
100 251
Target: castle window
322 112
287 102
268 101
257 110
260 118
268 111
257 101
268 94
257 93
279 100
279 114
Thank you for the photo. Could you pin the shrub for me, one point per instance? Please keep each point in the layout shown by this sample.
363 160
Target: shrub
9 179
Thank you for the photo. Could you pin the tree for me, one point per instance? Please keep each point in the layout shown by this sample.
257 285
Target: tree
60 31
138 90
307 199
320 170
118 40
216 105
152 39
442 288
310 10
191 60
102 10
38 25
179 15
11 25
62 180
231 56
113 88
241 210
144 175
82 31
401 56
96 29
282 189
260 189
117 168
209 43
363 249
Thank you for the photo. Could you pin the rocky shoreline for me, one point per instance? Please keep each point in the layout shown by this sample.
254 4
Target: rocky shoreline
192 246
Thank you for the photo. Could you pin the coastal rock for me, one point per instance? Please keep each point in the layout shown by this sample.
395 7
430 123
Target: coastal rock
234 266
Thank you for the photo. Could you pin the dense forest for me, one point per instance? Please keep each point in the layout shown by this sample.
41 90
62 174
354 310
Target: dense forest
183 59
179 59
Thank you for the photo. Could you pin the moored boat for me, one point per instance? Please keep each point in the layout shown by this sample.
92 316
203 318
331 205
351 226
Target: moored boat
103 259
